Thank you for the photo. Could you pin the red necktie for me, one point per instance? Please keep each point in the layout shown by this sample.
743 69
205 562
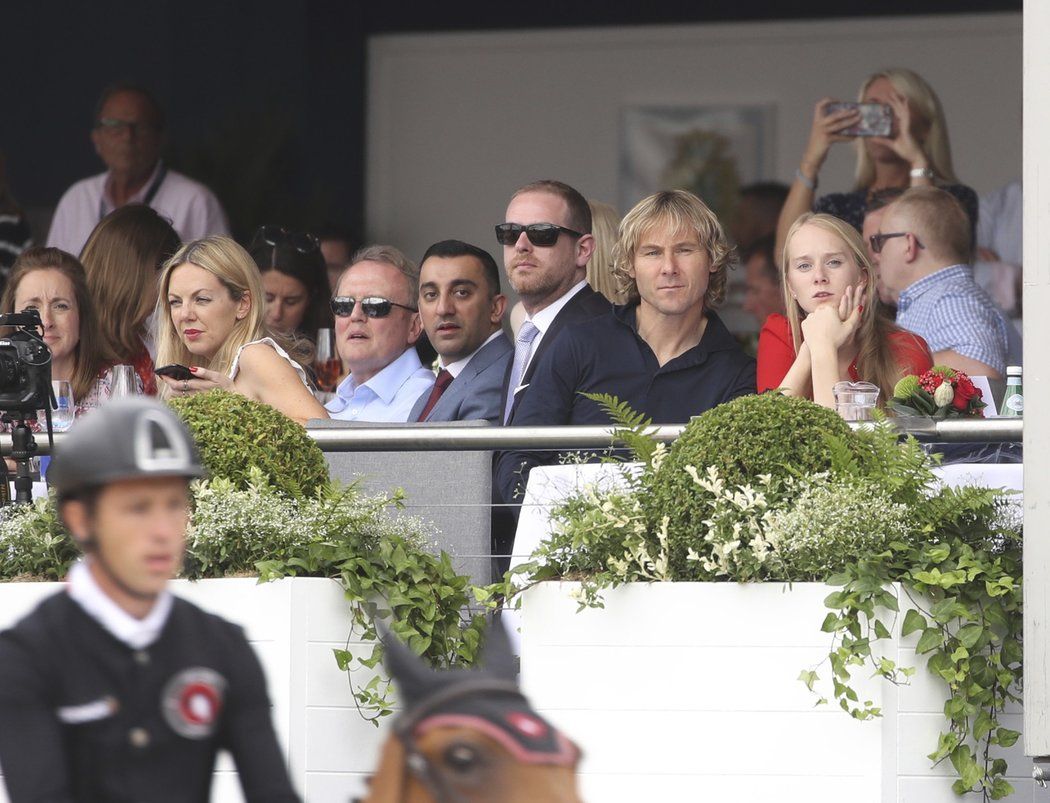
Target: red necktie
444 379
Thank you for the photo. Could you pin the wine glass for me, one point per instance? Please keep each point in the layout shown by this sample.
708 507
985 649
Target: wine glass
122 381
327 365
62 416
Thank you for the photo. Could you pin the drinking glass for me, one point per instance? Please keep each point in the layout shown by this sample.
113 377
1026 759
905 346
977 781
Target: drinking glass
62 417
122 381
855 401
327 365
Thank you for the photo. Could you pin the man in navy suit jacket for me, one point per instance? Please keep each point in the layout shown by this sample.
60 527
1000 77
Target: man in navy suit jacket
462 311
547 243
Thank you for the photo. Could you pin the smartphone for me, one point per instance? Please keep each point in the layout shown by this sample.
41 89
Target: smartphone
876 119
175 371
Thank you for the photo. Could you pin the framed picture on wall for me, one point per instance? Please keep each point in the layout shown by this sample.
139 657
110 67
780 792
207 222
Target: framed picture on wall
711 151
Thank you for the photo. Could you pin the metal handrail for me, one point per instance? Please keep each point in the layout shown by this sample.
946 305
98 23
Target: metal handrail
431 437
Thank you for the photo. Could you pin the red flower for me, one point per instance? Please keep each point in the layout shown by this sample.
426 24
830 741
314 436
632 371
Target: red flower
965 393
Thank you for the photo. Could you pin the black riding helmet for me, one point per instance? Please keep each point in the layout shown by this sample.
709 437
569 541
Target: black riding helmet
125 439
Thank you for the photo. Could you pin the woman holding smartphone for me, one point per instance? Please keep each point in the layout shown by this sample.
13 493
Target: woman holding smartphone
211 319
916 152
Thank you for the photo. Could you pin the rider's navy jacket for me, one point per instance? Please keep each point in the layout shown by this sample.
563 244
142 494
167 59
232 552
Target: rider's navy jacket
84 717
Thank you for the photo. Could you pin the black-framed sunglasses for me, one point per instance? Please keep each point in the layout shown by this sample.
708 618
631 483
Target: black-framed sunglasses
274 235
879 240
542 234
372 306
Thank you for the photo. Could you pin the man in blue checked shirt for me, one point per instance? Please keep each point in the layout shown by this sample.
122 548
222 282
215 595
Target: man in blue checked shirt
925 247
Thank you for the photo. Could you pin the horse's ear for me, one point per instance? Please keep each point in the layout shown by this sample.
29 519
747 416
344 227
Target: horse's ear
497 654
386 784
414 678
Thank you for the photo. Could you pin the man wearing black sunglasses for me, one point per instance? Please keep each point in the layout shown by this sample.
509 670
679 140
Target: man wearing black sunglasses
666 352
546 243
376 327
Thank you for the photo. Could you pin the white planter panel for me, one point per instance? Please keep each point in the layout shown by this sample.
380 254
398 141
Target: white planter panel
689 691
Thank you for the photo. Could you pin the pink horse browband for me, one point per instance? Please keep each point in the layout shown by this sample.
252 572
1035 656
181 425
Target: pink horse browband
525 736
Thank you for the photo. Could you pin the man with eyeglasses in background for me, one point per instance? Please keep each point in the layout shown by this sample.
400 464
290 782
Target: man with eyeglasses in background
925 252
377 324
128 134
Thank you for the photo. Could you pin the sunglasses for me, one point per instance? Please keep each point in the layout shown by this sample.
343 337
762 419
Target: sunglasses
879 240
274 235
372 307
542 234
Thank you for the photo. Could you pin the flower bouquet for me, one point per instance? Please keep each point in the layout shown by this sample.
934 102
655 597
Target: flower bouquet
941 392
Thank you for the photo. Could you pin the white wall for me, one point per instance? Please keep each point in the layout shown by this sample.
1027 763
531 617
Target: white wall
457 121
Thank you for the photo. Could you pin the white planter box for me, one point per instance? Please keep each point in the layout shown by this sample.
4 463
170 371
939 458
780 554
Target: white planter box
293 624
689 691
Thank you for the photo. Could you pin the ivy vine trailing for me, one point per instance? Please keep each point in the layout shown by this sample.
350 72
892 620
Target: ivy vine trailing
736 499
963 602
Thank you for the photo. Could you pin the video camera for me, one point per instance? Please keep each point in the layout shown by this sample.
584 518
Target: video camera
25 366
25 387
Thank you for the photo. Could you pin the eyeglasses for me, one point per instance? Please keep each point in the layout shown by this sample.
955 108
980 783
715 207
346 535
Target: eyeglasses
113 126
542 234
372 307
274 235
878 240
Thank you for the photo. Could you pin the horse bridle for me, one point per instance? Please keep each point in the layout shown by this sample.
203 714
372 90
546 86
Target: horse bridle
415 761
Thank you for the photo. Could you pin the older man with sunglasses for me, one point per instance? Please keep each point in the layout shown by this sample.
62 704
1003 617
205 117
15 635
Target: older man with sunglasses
376 326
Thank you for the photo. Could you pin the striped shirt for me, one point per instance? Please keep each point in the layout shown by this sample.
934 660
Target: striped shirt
950 311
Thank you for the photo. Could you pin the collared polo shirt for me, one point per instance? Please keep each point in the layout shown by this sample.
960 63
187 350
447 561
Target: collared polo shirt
192 208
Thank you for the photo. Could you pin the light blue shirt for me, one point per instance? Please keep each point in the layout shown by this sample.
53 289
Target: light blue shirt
949 311
387 396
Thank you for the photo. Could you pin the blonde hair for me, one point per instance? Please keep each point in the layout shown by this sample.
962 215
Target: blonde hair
678 210
237 272
121 258
939 220
925 102
88 362
395 258
604 222
876 360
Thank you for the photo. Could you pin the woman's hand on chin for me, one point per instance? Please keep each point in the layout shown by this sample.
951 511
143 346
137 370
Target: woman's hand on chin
834 324
203 379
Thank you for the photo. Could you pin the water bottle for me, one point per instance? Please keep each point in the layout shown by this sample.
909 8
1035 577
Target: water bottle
1013 398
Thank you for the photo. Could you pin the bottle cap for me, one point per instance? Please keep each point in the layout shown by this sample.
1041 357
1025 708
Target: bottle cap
1013 370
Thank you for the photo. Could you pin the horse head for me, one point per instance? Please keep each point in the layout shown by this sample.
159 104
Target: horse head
470 735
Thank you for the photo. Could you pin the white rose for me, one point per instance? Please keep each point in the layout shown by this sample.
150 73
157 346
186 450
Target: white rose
944 394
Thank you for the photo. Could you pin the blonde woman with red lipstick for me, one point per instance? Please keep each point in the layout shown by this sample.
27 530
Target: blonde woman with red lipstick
211 319
835 328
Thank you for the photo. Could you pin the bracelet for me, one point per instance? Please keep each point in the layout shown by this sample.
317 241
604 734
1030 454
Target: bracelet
807 182
921 172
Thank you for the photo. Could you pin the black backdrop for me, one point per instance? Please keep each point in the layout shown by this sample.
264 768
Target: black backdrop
266 100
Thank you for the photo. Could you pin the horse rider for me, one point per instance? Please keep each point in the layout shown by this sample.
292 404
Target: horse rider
114 689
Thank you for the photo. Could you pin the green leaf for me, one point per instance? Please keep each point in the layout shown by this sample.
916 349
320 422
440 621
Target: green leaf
931 639
1006 737
969 635
880 630
913 621
808 677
